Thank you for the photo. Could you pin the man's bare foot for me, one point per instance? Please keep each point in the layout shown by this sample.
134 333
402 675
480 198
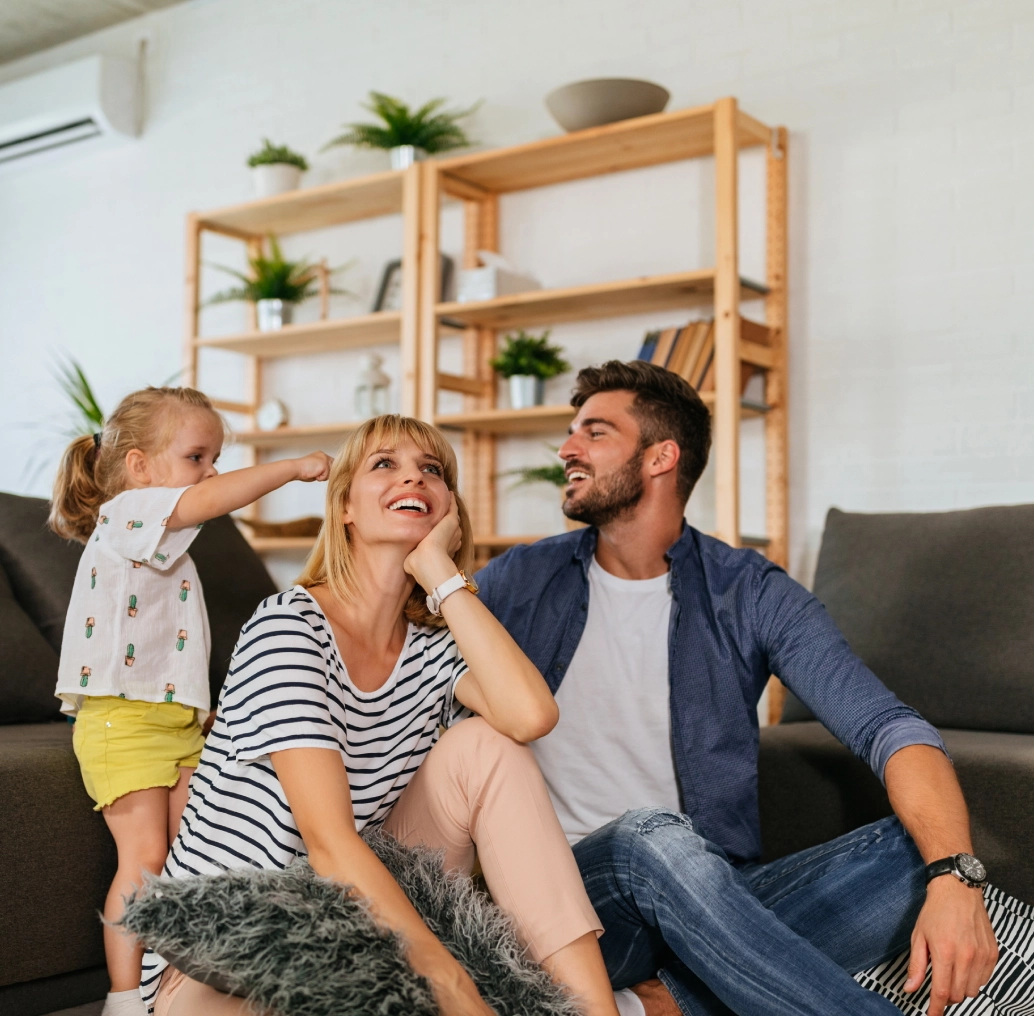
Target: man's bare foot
656 998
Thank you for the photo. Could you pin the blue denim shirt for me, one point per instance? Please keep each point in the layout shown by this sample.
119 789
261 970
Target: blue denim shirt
736 618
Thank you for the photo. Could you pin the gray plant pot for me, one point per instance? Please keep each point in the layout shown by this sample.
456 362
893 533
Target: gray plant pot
526 391
404 156
273 314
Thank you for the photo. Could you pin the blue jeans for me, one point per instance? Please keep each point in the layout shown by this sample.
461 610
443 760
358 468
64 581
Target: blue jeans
777 939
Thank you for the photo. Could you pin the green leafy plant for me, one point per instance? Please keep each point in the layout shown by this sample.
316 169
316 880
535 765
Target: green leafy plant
530 354
87 417
430 127
554 475
275 278
270 154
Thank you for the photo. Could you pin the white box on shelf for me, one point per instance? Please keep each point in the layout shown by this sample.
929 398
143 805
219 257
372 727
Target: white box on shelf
497 277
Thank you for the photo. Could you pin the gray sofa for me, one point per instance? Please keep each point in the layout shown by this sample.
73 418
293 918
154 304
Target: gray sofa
58 857
941 607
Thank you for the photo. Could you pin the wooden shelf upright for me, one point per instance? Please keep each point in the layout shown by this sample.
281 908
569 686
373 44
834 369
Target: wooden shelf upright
334 204
719 130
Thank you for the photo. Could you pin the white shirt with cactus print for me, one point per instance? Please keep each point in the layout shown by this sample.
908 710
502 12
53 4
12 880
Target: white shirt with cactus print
137 627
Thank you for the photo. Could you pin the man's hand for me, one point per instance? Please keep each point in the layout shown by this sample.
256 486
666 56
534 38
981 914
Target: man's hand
314 467
954 934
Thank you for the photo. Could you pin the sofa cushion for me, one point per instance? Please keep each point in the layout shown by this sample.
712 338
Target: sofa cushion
813 789
42 569
40 565
938 605
58 857
28 665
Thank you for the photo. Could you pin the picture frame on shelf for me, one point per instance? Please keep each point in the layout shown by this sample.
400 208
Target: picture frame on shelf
389 290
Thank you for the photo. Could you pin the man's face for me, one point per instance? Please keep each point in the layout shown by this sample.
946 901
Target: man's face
603 461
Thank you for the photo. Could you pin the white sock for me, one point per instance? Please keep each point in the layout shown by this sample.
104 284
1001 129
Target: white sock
629 1003
124 1003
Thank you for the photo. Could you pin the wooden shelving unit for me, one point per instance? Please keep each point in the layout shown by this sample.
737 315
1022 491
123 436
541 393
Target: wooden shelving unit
720 130
335 204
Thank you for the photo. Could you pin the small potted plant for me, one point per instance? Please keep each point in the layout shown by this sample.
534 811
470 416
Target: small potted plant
527 360
409 135
275 169
555 475
274 285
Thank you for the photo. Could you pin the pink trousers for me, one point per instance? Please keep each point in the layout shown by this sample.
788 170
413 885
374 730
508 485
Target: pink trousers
478 793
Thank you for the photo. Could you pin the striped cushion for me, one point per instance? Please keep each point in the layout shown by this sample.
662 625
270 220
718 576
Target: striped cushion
1010 992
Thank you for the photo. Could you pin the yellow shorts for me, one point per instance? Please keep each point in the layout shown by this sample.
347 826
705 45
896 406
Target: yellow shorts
125 745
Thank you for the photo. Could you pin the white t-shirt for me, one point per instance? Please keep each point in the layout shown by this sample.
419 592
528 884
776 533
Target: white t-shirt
288 688
611 751
136 626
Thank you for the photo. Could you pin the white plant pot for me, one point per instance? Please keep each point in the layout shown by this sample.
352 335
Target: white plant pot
526 391
275 178
404 156
273 314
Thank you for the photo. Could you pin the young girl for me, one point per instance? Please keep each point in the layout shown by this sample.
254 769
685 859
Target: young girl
134 657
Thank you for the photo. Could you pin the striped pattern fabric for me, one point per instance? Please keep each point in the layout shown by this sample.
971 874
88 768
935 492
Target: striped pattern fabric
1010 992
287 687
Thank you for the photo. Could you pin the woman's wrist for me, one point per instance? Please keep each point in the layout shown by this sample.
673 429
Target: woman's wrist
433 572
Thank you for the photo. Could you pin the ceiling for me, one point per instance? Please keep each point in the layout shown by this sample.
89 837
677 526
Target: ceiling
27 26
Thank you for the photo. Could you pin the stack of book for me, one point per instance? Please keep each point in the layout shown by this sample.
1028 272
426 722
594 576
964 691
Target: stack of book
689 352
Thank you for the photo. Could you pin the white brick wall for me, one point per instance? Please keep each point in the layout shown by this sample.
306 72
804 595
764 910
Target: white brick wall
912 216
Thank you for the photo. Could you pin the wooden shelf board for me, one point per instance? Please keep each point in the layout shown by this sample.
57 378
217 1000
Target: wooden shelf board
600 300
537 420
505 542
296 211
315 337
271 544
310 434
748 410
613 148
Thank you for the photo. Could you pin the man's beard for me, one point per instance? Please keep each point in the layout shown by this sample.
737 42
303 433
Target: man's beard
611 496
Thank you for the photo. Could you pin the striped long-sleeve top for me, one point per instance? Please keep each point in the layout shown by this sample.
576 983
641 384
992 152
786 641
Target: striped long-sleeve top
287 687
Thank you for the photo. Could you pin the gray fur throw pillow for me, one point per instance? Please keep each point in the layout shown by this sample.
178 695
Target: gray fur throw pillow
295 944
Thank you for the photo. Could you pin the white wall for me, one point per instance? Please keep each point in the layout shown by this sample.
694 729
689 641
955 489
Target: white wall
912 216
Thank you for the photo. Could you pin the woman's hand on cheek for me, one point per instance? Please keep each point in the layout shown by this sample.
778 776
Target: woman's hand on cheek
431 561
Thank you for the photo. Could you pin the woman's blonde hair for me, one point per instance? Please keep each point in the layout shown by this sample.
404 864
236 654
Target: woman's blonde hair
331 562
93 467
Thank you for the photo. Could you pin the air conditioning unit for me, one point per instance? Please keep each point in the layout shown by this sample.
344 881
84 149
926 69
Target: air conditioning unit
91 98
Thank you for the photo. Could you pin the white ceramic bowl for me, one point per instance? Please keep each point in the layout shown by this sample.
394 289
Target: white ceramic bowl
598 101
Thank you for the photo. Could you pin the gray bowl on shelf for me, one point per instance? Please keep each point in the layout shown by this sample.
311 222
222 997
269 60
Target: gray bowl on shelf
599 101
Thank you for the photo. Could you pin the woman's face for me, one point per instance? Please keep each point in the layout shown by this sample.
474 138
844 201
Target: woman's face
398 496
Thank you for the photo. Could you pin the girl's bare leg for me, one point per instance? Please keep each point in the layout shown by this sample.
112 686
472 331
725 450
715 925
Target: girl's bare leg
178 801
139 823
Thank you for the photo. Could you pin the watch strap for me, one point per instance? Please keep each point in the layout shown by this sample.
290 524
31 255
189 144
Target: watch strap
945 866
447 588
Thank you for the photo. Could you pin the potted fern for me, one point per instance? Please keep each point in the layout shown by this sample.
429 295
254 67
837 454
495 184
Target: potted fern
275 169
555 475
409 135
527 361
274 285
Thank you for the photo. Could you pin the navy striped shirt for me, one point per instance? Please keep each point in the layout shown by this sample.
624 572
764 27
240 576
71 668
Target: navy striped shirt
287 687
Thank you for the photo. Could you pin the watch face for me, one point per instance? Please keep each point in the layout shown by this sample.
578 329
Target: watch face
971 867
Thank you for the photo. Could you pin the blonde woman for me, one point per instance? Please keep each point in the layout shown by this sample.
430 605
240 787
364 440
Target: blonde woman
329 720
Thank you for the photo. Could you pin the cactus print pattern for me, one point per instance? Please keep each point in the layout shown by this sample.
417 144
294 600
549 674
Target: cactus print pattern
130 658
84 676
133 524
89 626
93 578
181 638
170 690
184 589
132 606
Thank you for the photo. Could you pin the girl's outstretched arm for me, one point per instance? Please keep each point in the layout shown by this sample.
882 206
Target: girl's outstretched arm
316 786
219 495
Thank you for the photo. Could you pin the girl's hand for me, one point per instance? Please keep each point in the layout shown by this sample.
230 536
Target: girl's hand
454 991
431 563
313 467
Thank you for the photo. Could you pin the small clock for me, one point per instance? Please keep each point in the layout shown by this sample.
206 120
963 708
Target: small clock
271 415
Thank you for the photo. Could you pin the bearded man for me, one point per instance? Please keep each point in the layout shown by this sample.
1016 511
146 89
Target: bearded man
657 642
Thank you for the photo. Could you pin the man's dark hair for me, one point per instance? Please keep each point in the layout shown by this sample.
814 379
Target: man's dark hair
665 406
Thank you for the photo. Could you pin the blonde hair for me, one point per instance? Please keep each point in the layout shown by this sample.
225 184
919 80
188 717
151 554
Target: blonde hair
92 473
331 562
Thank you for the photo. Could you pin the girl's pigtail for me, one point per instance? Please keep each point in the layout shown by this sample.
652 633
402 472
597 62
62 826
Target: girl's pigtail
77 495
